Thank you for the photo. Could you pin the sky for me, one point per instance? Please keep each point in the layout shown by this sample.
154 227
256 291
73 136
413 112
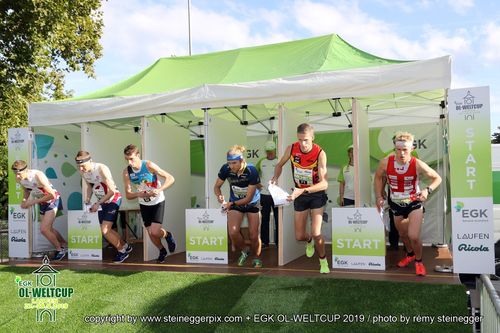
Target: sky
138 32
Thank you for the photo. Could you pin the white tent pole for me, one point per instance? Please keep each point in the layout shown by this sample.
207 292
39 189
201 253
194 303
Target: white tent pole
207 171
189 26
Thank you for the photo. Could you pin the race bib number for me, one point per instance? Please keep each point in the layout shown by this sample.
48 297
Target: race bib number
303 176
239 192
99 191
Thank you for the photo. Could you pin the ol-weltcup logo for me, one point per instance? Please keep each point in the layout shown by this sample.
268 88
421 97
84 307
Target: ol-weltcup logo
468 107
357 222
16 141
44 294
205 221
84 221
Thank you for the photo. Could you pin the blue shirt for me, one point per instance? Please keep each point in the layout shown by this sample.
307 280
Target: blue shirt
238 184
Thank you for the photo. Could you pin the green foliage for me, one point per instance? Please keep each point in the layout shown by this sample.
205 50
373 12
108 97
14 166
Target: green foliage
495 137
41 41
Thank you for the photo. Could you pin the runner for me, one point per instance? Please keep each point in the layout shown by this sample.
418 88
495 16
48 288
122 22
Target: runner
309 197
266 166
244 197
141 182
38 190
402 171
100 182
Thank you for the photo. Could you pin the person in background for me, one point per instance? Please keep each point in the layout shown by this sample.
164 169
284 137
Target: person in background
266 170
346 180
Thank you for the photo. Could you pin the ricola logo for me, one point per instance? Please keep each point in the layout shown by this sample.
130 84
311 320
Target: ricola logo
470 248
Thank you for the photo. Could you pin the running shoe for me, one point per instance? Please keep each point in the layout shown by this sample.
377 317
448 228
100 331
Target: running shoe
120 257
310 248
257 263
161 257
128 249
324 269
170 242
406 261
243 257
59 255
420 269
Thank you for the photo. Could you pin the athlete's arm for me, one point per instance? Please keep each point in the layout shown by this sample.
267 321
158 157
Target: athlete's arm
279 167
26 195
88 192
168 178
110 184
43 182
217 190
129 194
379 183
424 169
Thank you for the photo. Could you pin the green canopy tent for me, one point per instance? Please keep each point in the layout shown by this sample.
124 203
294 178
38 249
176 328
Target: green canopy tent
306 70
325 77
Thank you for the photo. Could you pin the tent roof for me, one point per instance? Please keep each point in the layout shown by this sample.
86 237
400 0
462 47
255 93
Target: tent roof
325 53
318 68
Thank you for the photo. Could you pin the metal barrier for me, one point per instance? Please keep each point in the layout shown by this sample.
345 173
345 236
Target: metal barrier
490 306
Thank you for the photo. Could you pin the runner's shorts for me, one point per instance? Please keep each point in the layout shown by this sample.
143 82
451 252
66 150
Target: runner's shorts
52 204
250 208
152 214
109 211
405 209
310 201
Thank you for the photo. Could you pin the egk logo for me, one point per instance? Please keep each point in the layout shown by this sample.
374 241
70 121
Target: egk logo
470 213
17 215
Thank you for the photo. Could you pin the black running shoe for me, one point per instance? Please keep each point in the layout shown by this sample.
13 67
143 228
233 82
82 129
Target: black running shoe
161 257
170 242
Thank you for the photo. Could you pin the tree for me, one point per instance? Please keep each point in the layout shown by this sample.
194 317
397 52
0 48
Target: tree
495 137
41 41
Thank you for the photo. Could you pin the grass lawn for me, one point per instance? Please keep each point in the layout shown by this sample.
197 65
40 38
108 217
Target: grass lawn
163 294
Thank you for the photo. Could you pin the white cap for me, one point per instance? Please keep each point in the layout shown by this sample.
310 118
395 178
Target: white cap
270 145
350 147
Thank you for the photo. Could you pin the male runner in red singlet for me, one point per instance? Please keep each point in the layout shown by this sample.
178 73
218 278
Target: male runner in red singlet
402 171
308 163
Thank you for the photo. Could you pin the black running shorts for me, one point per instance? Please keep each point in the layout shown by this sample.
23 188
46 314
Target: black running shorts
152 214
310 201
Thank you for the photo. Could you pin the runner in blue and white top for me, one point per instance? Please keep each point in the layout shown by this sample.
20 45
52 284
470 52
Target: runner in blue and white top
100 182
141 182
38 190
244 198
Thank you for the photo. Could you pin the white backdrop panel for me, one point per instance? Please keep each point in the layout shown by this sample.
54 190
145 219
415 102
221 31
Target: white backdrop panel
289 248
221 135
168 146
105 145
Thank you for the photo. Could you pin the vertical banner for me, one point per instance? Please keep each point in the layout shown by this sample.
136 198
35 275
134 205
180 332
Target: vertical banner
206 236
84 236
358 239
470 180
19 240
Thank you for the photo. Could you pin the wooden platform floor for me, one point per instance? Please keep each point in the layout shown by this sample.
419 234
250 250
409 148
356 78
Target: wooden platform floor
302 266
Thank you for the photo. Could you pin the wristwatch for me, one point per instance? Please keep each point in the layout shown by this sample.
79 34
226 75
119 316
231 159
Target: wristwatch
429 190
306 191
